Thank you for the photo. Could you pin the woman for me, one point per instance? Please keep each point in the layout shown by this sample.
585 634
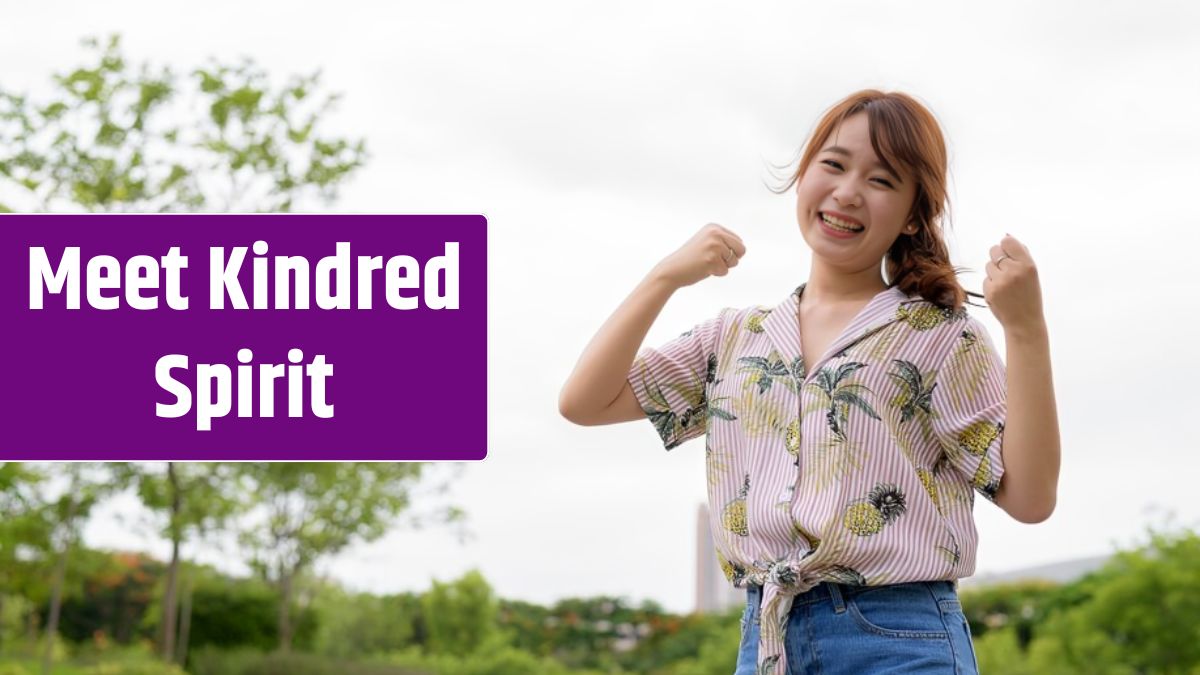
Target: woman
848 427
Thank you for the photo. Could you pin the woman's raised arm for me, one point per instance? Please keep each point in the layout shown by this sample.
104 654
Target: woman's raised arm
597 392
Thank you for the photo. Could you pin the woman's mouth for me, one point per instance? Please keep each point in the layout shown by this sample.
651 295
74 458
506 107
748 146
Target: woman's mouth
836 227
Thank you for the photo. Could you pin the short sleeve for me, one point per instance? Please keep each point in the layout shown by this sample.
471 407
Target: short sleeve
970 407
670 382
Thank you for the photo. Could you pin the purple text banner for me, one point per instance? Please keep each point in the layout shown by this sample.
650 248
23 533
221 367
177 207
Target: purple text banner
244 337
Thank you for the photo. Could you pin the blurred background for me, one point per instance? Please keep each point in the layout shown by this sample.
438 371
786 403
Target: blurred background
597 139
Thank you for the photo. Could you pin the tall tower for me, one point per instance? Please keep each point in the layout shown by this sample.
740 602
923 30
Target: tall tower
714 593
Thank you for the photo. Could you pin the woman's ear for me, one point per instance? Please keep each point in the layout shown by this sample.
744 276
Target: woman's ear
911 228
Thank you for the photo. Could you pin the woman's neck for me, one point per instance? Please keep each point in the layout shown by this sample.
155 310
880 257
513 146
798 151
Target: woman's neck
827 285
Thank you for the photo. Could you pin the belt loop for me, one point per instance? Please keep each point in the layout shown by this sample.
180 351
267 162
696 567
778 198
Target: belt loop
835 594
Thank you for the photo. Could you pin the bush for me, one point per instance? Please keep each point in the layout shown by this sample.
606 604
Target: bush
999 653
247 662
146 668
489 661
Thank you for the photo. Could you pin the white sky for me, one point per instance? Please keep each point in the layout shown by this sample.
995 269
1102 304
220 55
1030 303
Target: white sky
597 137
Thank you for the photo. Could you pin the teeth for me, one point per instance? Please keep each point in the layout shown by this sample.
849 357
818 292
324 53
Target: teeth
839 224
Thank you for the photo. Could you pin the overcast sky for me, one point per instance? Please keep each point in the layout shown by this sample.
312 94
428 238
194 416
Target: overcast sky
597 137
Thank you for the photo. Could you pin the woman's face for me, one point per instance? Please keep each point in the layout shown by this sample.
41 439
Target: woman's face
847 182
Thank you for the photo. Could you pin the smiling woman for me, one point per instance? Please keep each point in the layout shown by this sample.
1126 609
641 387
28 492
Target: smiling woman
848 528
892 149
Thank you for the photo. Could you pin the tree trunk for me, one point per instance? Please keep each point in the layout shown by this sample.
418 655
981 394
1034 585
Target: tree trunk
169 595
60 571
285 607
185 626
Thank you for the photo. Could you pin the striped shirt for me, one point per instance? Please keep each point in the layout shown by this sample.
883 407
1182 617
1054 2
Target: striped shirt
857 466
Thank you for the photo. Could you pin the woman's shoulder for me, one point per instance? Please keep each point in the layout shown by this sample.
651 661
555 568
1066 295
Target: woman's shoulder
922 314
742 316
945 326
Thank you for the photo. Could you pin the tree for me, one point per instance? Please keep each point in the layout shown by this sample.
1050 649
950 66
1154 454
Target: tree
309 510
20 526
87 484
192 498
460 616
118 138
1138 614
356 625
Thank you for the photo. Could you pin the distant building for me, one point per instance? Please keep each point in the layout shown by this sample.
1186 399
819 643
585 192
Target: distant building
1062 572
714 593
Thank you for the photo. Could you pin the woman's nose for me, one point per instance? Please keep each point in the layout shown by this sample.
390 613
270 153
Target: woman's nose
846 195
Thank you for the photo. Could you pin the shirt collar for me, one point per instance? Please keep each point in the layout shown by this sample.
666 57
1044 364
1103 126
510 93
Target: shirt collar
782 326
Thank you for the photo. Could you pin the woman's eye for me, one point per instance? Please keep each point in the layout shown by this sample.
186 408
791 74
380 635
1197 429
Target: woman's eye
838 166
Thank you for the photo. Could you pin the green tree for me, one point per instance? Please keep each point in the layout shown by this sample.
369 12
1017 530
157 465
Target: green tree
460 616
115 137
110 593
191 498
305 511
362 624
1138 614
21 525
86 485
716 637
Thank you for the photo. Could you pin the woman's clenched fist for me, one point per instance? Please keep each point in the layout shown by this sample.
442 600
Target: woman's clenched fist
710 252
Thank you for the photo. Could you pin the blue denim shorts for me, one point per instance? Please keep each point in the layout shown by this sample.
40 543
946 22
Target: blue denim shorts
835 629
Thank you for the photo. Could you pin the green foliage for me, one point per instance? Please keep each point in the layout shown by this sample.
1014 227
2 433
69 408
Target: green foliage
111 597
1020 606
1137 614
143 668
459 616
999 653
138 660
24 536
362 624
496 660
310 510
695 640
189 499
715 651
315 509
230 613
119 137
1140 617
244 662
607 633
203 490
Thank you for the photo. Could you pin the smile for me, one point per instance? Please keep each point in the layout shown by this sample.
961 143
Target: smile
839 224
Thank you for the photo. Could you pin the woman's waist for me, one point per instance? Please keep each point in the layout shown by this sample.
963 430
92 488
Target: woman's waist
832 591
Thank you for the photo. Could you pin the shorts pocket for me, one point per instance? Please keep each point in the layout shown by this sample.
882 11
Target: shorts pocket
964 645
899 611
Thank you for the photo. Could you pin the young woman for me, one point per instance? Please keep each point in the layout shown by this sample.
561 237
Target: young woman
848 427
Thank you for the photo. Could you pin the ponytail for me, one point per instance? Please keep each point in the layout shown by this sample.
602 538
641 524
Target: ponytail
919 264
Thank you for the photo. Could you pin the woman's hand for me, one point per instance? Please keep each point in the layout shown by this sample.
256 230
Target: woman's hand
1011 289
710 252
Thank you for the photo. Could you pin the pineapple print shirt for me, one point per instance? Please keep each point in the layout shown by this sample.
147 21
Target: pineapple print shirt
857 466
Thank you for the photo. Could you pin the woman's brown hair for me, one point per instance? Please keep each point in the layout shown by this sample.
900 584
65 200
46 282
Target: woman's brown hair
904 134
